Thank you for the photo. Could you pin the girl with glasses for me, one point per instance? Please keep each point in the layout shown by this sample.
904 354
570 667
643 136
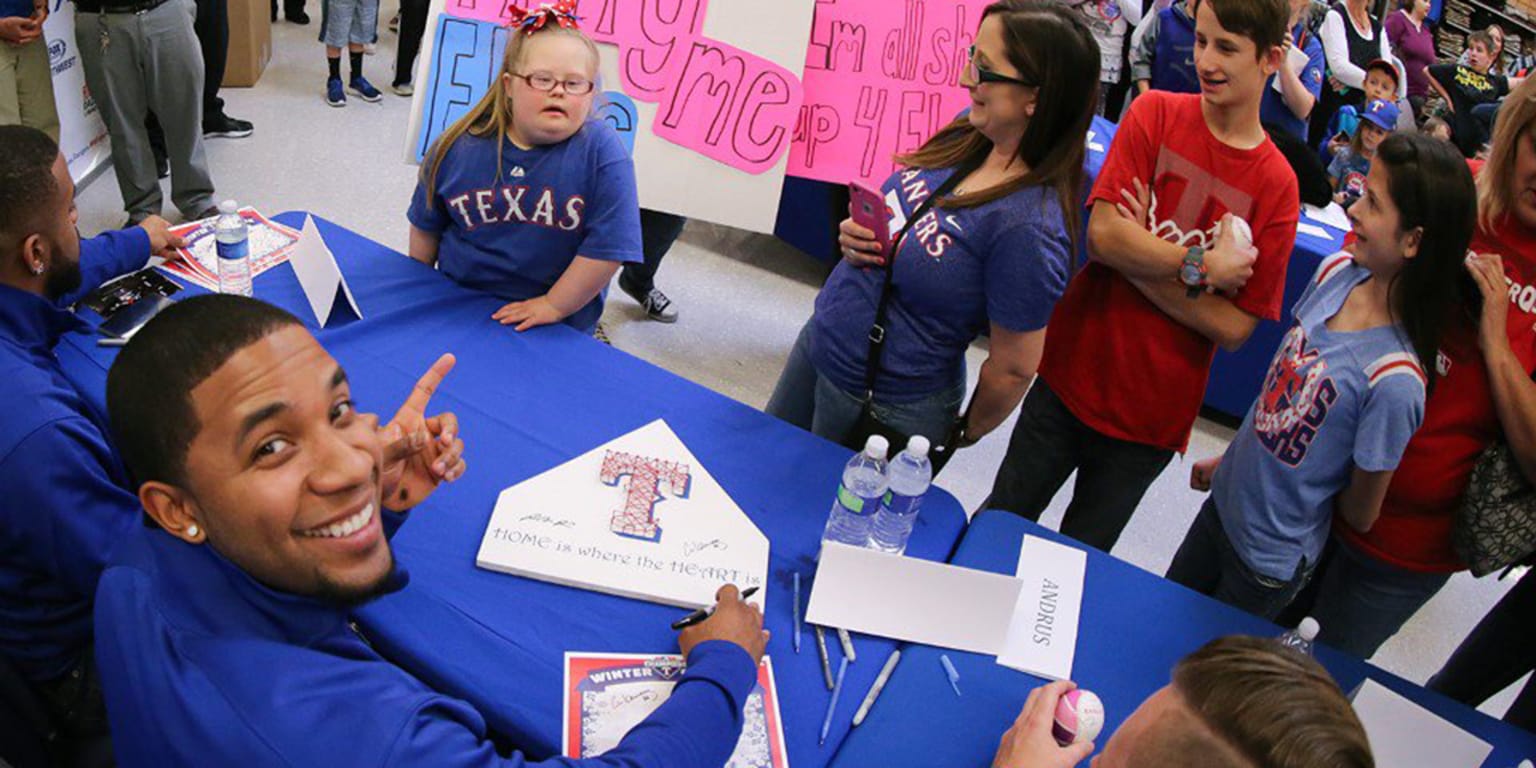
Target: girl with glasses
525 197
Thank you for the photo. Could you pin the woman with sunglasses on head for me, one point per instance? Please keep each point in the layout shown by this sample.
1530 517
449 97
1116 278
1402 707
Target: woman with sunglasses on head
525 197
992 252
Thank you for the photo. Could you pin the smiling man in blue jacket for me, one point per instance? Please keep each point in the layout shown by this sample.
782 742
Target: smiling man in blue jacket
222 632
65 496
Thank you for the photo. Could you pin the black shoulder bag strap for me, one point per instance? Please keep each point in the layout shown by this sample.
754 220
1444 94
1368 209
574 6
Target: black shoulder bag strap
877 331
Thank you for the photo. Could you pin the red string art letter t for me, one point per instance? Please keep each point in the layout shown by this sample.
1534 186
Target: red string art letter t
636 518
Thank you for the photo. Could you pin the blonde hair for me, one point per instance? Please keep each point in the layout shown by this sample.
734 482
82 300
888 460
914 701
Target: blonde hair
492 115
1516 117
1274 707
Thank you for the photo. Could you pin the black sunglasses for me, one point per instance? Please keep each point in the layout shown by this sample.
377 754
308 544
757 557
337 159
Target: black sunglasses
983 75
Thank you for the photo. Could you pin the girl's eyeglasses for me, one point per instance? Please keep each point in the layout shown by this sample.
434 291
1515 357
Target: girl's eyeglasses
544 81
978 74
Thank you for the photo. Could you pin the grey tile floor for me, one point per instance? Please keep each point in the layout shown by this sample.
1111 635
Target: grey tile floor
742 296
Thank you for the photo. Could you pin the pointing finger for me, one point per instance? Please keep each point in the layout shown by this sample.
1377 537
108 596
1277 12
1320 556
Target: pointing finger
427 385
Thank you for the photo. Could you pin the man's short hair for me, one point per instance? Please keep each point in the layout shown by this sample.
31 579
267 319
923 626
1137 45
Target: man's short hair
149 389
1262 21
1273 706
1481 36
27 186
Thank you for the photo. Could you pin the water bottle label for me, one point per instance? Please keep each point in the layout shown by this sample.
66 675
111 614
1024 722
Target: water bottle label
901 504
234 250
850 501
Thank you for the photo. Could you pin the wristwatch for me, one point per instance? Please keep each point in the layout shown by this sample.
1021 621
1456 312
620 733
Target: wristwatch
1192 271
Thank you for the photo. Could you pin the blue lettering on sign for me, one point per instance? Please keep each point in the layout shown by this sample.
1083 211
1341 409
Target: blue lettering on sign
619 112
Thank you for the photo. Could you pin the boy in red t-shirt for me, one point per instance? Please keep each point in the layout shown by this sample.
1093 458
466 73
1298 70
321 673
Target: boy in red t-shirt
1200 261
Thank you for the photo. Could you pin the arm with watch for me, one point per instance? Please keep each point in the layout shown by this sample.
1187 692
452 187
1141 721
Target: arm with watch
1119 240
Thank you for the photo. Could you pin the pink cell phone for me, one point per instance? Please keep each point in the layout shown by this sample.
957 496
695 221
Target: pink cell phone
868 210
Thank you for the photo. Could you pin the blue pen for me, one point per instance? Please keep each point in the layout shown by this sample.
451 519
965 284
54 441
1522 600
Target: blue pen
949 672
837 688
797 611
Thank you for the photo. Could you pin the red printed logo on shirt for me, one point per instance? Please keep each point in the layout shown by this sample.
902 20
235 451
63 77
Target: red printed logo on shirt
1295 400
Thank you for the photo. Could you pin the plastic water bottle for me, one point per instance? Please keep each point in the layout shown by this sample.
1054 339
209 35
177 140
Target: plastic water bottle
1300 639
859 495
910 473
234 250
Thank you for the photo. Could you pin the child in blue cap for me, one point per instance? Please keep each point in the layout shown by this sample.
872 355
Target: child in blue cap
1347 171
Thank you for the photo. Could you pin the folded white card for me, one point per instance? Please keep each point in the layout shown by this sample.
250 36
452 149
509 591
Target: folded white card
1333 215
905 598
1406 735
1042 635
319 276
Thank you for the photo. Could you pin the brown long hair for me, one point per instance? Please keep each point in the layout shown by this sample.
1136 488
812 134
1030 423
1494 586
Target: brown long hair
1048 44
492 115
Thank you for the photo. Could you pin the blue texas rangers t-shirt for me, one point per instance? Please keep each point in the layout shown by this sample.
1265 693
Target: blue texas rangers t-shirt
1005 261
514 233
1331 402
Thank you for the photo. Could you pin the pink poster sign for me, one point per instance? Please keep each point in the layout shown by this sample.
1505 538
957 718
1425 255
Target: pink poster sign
881 76
713 98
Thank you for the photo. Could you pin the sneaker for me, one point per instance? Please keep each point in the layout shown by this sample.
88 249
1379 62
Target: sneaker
655 303
334 95
363 88
394 23
299 17
403 89
224 126
370 48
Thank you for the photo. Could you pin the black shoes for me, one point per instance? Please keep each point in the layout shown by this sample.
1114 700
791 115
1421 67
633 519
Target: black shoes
226 127
655 303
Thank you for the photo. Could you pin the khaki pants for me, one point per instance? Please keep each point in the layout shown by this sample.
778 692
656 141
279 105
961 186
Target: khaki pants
26 87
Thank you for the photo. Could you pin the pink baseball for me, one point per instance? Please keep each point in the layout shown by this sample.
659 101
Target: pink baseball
1079 717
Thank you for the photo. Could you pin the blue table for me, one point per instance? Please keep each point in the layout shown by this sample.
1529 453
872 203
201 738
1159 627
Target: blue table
529 402
1135 626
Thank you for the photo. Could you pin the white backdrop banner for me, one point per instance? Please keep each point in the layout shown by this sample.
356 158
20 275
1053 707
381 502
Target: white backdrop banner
82 134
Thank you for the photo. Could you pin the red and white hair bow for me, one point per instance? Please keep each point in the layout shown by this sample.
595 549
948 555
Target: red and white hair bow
561 12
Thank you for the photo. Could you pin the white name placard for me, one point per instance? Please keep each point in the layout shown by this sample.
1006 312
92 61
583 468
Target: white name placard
1042 635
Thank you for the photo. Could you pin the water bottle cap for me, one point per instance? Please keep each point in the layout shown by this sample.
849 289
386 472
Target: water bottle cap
1308 629
229 206
877 447
918 446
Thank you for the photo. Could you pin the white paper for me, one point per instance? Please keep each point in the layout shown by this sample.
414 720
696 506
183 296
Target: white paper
1303 228
1042 635
1297 60
1333 215
904 598
564 526
1406 735
315 266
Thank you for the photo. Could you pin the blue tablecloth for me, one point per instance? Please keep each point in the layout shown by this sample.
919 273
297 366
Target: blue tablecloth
529 402
1134 627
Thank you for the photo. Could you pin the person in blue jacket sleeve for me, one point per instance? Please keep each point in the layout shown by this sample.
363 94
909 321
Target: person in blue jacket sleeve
1291 94
222 630
66 498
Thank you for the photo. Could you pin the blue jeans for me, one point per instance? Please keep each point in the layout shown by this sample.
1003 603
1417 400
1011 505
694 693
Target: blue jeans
1360 601
806 399
1208 563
